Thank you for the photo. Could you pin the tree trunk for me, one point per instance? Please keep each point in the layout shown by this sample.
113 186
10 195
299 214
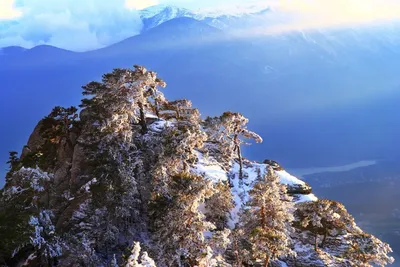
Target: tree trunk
157 108
323 240
266 263
239 154
316 242
236 252
263 217
142 118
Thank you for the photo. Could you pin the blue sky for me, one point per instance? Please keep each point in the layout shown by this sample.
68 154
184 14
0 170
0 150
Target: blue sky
89 24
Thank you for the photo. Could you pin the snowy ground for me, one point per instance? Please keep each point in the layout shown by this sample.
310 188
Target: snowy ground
212 170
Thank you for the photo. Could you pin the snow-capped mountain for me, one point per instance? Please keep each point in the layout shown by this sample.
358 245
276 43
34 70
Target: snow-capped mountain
222 18
156 15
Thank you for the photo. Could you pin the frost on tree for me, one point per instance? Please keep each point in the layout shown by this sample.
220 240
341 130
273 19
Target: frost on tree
179 143
47 244
21 199
265 222
228 131
179 224
135 260
219 205
366 250
116 109
324 217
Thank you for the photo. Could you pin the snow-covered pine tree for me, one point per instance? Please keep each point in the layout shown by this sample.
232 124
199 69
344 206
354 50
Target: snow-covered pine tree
366 250
179 108
179 141
113 108
134 260
267 218
21 200
47 245
216 144
323 217
179 225
219 205
228 131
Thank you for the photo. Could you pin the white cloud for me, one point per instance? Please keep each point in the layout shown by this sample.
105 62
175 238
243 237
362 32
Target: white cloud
71 24
140 4
8 10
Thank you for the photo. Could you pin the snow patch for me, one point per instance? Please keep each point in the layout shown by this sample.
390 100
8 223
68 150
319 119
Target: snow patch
306 198
210 168
288 179
159 125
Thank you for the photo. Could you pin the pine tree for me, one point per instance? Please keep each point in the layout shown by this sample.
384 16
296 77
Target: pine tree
13 162
179 225
366 250
219 205
58 124
21 200
47 244
181 109
134 260
228 132
115 106
323 217
266 221
178 145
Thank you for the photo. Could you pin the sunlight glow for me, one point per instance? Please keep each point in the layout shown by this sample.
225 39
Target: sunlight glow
333 13
8 11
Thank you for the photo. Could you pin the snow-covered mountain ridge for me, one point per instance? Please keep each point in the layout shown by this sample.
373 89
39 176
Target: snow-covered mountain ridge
219 18
235 10
133 167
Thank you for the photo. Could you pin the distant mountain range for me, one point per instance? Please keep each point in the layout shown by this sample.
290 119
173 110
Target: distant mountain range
325 97
225 19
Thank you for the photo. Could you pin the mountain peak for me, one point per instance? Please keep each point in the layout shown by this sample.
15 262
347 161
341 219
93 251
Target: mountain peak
161 9
156 15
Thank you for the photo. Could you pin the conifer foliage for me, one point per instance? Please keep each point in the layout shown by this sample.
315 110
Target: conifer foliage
266 222
180 227
324 217
135 260
366 250
228 132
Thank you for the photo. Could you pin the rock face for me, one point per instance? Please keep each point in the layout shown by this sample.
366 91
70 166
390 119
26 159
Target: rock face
302 189
275 165
35 141
78 166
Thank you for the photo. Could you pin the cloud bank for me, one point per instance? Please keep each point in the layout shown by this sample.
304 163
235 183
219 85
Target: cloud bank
71 24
